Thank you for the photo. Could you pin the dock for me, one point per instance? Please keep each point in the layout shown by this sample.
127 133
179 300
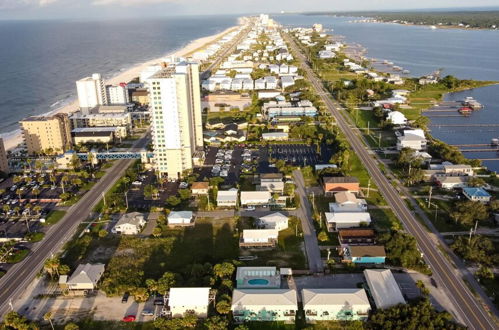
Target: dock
464 125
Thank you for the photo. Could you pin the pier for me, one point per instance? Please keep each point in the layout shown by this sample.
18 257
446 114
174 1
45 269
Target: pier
464 125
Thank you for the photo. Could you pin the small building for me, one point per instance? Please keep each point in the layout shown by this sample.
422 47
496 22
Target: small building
347 202
227 198
129 224
477 194
383 288
189 300
259 238
272 182
180 218
459 169
411 138
358 236
200 188
450 182
85 277
276 221
255 198
275 136
336 184
258 278
362 254
342 220
396 118
335 304
264 305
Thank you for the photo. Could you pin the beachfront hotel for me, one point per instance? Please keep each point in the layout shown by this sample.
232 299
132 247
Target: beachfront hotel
47 134
177 129
91 91
4 163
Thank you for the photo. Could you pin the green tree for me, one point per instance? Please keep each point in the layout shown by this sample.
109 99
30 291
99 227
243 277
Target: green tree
173 201
166 282
476 182
184 194
223 307
48 317
216 323
16 321
467 212
224 270
485 273
140 294
71 326
323 236
478 248
102 233
402 250
157 231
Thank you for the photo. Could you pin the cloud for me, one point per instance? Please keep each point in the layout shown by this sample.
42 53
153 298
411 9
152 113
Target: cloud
14 4
129 2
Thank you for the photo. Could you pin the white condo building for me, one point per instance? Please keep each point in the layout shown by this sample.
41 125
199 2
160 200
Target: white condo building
117 94
91 91
176 117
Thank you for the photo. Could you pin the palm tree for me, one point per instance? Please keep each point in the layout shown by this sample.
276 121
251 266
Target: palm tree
48 317
19 193
64 179
36 192
6 208
17 209
38 209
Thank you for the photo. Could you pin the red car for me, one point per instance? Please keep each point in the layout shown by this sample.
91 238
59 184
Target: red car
129 318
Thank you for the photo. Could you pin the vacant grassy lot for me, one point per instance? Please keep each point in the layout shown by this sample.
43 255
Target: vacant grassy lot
53 217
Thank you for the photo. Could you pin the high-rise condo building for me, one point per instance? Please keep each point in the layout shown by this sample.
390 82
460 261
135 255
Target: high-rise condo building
177 125
4 164
47 134
117 94
91 91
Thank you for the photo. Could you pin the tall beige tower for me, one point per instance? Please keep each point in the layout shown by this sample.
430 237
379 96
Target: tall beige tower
46 134
4 165
175 102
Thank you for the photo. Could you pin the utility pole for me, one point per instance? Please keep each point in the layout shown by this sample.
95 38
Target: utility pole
368 187
126 199
368 124
429 198
476 225
104 198
379 140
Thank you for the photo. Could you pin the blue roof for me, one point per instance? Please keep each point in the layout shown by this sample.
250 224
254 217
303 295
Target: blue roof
476 192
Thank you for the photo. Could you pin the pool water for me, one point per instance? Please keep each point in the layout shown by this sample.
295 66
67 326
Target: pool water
258 281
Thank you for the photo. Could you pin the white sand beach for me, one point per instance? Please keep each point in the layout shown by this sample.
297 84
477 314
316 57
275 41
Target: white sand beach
12 140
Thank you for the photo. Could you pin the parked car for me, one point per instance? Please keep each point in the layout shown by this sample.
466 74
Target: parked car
147 312
250 208
129 318
159 301
125 297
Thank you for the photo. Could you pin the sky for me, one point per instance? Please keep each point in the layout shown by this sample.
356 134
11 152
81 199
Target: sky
46 9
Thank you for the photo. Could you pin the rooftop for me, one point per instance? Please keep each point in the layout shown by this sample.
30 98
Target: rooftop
356 233
340 179
383 287
264 297
367 251
321 297
189 297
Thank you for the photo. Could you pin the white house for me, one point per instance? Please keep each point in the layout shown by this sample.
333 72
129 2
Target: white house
259 237
180 218
276 221
396 118
227 198
189 300
264 305
287 81
335 304
129 224
347 202
275 136
341 220
411 138
86 277
383 288
255 197
260 83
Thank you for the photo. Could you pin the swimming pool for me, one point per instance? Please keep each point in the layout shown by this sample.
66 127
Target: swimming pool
258 281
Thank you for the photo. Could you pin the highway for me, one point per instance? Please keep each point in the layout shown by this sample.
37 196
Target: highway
22 274
470 311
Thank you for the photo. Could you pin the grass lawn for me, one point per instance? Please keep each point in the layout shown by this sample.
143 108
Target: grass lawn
54 217
90 324
492 289
443 222
35 237
18 256
384 219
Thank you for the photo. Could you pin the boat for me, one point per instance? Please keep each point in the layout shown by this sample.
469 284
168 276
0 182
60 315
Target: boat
397 68
472 103
406 72
494 142
465 111
433 27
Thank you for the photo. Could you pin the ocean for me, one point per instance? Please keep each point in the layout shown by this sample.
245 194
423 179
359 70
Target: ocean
41 60
466 54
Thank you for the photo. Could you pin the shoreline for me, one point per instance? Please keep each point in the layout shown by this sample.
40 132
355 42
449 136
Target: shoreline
13 138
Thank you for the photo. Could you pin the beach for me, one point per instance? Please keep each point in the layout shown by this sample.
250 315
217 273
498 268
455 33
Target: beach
13 139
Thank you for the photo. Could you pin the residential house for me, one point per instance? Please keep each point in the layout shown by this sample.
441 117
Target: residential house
359 236
411 138
255 198
227 198
396 118
264 305
347 202
276 221
336 184
477 194
364 254
200 188
129 224
450 182
271 182
335 304
459 169
259 238
180 218
183 301
342 220
383 288
85 277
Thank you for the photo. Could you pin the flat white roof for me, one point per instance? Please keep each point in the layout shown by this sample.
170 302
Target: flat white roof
227 195
348 217
384 289
189 296
180 215
264 297
263 195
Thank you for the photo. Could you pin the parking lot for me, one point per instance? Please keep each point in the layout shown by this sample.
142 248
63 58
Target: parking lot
136 196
